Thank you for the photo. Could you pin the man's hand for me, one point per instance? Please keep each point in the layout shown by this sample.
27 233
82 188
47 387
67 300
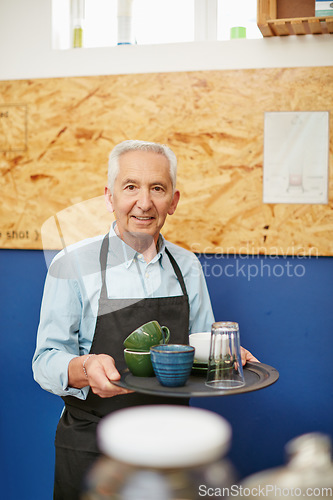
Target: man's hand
101 371
247 356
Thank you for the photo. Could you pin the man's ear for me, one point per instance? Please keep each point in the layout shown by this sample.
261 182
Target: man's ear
174 202
108 199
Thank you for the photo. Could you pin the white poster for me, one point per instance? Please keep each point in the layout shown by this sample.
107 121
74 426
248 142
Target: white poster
296 156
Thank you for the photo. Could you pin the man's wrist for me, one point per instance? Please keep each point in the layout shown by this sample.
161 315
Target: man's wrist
84 364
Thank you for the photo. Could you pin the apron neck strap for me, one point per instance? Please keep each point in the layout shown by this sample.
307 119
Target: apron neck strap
177 271
103 261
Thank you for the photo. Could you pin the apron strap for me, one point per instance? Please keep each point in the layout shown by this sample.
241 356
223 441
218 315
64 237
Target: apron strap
177 271
103 260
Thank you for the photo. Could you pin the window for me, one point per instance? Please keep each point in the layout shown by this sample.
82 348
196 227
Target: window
237 13
105 23
160 21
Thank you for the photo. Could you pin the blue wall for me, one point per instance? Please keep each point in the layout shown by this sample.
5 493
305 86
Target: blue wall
286 319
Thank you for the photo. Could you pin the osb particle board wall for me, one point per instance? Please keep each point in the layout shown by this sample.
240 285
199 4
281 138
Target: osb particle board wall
56 134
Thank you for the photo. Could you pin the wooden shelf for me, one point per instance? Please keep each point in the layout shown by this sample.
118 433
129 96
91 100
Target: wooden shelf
270 23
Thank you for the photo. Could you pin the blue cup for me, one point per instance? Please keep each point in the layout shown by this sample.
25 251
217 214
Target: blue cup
172 363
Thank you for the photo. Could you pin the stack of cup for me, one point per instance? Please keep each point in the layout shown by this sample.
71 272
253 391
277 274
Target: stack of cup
137 347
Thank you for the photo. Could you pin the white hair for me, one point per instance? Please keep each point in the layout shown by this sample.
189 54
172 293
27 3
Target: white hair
154 147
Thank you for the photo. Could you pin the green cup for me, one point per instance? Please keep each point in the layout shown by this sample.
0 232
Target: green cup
139 363
147 335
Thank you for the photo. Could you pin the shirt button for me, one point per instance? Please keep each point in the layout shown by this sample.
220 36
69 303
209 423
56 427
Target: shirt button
147 275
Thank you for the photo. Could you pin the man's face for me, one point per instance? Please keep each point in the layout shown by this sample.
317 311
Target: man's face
142 195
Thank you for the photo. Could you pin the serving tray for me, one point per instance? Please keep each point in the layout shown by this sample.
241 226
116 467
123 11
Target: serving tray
257 376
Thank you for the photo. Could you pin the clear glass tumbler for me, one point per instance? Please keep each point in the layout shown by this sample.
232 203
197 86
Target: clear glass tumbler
225 370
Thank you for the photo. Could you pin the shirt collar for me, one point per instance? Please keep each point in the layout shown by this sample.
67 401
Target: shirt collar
125 254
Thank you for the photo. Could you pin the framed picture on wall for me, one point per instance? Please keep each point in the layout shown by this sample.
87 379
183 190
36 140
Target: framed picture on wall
296 157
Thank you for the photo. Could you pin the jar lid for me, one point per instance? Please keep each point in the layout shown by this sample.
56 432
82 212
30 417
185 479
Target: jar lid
164 436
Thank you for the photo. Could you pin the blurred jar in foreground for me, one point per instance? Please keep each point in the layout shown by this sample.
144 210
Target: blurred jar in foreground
308 473
161 452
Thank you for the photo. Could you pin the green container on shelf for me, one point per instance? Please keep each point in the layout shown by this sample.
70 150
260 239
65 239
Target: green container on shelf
237 32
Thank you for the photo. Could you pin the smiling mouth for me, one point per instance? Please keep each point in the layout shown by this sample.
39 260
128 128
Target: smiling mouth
142 218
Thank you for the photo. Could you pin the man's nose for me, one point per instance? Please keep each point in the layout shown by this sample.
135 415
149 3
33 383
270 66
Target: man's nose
144 200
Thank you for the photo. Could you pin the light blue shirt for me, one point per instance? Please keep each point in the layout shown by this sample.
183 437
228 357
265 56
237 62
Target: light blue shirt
71 293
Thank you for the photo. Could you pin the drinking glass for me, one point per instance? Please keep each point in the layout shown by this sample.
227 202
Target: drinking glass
225 370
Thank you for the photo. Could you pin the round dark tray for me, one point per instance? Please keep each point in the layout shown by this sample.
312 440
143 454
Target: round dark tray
257 376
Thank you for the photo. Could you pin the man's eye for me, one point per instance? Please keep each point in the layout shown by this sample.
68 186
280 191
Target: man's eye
158 188
130 187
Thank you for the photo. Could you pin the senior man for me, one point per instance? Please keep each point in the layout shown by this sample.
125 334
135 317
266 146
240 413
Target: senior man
98 291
